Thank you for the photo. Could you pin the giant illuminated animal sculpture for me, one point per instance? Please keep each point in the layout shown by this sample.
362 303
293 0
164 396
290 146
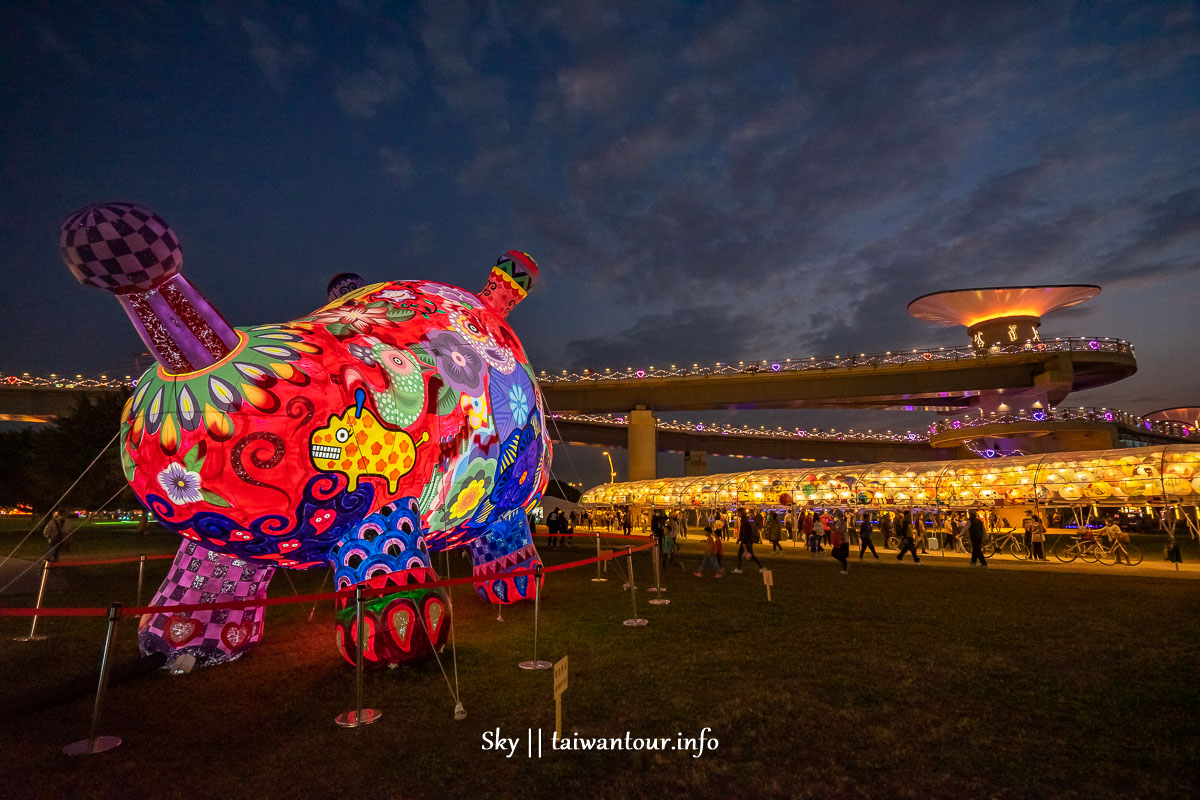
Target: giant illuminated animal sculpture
399 420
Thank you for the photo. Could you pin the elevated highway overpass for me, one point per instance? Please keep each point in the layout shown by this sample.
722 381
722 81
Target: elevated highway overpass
619 408
941 379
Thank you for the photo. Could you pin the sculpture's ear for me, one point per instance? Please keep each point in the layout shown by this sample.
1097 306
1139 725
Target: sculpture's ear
132 252
510 281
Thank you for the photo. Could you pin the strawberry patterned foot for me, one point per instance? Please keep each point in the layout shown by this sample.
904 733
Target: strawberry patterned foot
200 575
502 548
388 553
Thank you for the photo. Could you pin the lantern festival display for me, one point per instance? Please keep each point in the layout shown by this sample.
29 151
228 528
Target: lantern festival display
399 420
1136 476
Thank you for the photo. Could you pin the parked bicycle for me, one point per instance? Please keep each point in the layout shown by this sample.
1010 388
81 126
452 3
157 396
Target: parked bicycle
1082 547
1009 539
1113 552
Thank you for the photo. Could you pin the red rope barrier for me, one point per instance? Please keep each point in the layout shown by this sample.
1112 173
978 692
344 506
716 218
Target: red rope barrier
311 598
93 562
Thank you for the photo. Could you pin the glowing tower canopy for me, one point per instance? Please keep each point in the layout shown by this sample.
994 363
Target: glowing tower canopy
1000 316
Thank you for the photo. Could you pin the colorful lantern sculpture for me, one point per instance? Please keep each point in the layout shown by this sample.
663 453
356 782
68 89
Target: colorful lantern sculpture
400 420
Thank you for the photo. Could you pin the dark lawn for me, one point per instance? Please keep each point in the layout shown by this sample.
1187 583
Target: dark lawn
898 680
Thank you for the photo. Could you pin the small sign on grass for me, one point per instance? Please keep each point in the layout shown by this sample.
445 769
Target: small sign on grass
560 686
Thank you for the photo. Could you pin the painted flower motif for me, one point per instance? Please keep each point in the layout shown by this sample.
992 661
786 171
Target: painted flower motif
512 400
452 294
517 481
458 362
395 295
352 319
363 354
469 328
471 484
498 356
165 406
180 484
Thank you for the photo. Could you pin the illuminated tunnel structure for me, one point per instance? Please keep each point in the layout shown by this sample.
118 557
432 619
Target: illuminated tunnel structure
1160 477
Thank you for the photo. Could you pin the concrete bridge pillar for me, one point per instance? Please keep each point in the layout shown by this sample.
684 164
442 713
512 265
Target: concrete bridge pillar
695 463
643 445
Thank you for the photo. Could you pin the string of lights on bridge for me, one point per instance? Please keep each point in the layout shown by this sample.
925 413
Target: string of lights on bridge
962 421
888 358
724 429
55 381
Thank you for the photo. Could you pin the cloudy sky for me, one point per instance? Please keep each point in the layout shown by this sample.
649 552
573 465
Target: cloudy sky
699 181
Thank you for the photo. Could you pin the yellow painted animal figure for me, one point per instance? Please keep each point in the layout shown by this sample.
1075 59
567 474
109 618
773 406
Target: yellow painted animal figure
357 444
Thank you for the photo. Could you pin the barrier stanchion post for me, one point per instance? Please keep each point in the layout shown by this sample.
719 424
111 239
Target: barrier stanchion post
655 556
94 743
537 606
598 579
362 716
635 621
141 576
33 637
659 600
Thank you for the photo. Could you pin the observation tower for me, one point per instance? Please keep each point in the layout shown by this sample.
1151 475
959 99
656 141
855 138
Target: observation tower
1007 319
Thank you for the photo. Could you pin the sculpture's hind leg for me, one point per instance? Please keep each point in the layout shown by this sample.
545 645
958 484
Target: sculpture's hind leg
200 575
505 546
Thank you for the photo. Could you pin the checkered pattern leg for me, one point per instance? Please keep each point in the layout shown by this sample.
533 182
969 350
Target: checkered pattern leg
506 545
200 575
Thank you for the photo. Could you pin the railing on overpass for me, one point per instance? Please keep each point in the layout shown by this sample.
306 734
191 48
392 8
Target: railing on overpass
53 381
1123 419
888 358
724 429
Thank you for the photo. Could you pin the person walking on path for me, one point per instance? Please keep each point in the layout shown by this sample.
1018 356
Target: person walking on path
974 528
841 545
774 532
806 528
670 547
789 525
658 527
1115 536
56 532
627 522
712 555
826 527
904 532
719 526
747 538
885 527
951 529
864 535
1027 524
1037 538
919 529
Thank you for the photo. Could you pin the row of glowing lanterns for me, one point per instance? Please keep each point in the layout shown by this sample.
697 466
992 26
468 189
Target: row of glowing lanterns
1128 477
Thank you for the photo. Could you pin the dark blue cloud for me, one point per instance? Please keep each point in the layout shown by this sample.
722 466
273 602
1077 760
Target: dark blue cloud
784 177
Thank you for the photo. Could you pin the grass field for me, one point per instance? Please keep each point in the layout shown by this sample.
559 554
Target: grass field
895 681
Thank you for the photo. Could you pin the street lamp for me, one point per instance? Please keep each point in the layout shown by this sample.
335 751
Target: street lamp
612 473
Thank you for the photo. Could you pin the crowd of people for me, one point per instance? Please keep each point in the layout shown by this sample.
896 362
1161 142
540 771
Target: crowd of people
820 531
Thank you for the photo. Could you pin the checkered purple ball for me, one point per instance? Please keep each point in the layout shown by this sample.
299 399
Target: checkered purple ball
120 247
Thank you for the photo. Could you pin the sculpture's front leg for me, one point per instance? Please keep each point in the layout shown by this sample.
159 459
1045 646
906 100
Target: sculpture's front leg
200 575
505 546
388 552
